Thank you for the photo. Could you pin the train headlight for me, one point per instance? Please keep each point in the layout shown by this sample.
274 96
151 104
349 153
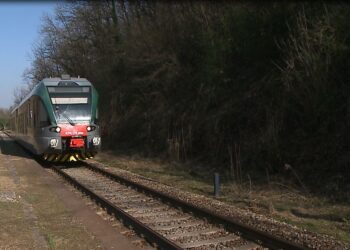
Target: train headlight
96 141
90 128
53 143
55 129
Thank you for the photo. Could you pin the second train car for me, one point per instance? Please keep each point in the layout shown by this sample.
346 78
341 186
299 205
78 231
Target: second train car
58 120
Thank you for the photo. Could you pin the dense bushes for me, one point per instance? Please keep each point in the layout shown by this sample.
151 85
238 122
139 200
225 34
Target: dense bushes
240 85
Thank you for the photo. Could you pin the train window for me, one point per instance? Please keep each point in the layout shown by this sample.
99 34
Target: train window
71 104
67 83
34 120
43 117
34 110
16 120
29 116
96 117
68 89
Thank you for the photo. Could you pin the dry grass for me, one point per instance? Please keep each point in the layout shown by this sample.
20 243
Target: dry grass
15 233
60 229
36 218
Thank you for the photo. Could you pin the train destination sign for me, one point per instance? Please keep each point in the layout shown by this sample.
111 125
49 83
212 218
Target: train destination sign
69 100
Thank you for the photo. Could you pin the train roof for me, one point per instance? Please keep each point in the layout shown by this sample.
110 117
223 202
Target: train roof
56 80
64 80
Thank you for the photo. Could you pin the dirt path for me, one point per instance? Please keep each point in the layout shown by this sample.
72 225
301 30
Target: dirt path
39 211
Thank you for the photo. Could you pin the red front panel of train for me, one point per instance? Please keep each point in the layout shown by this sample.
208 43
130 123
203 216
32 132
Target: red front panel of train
68 130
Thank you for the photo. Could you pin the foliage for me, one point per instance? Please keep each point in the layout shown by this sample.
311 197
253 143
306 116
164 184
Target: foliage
243 86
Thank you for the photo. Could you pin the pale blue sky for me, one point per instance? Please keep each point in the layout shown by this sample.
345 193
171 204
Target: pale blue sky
20 24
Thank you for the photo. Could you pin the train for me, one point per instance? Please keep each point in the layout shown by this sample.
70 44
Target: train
58 120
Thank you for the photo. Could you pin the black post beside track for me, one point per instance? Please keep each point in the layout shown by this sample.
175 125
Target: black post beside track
139 227
247 232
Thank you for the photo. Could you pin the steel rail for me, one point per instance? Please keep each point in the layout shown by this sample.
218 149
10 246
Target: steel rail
250 233
139 227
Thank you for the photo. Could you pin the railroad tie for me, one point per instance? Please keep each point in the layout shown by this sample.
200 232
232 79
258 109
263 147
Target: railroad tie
249 246
163 220
155 214
143 209
202 232
224 239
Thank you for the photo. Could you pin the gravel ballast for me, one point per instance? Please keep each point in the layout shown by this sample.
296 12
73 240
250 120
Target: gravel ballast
261 222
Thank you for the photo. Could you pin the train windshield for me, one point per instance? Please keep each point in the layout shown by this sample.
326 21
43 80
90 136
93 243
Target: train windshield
71 104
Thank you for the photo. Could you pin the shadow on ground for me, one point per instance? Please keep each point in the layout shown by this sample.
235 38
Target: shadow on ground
10 147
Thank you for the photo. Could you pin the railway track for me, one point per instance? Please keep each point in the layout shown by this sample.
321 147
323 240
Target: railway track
165 221
167 226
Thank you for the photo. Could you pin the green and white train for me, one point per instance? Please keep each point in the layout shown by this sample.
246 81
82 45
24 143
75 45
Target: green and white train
58 120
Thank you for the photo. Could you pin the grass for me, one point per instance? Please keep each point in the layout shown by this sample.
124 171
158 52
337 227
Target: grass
56 224
14 231
50 240
278 200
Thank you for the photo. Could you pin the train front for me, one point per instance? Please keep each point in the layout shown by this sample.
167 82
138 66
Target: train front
75 111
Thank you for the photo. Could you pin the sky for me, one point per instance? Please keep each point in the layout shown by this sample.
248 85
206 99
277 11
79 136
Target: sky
20 24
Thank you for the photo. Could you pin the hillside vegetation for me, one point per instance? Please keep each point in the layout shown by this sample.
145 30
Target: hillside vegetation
245 87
